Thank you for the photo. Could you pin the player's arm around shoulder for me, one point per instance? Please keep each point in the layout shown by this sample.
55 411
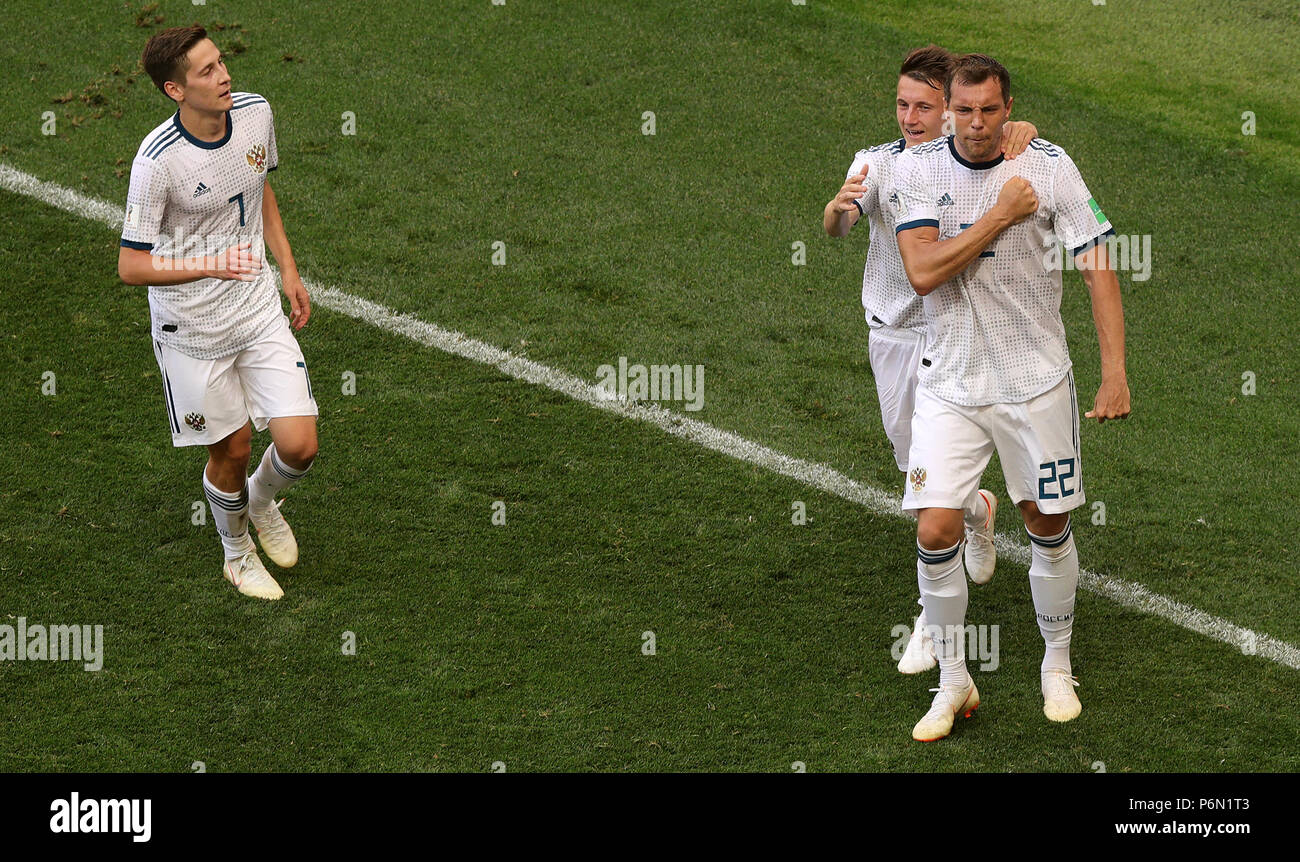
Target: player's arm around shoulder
1016 135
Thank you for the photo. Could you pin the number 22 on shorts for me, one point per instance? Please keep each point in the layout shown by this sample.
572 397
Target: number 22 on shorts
1053 485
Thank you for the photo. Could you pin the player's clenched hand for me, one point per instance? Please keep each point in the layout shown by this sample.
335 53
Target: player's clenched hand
1112 401
854 187
299 303
1016 137
235 263
1017 200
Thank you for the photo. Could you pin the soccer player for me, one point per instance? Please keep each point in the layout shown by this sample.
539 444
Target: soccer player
978 237
198 207
893 310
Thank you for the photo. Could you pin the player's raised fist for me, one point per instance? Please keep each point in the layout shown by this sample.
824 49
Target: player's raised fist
854 187
237 262
1017 199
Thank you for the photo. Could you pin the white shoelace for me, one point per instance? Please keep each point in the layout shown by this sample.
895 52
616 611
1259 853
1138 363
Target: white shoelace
278 523
1059 682
953 702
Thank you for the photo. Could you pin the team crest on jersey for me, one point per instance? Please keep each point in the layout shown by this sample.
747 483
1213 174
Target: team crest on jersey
197 421
256 156
918 479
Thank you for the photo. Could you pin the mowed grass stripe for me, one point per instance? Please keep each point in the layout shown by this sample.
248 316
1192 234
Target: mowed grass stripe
1126 593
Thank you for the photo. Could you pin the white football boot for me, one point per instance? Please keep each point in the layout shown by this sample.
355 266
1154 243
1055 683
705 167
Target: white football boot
919 655
251 577
948 704
274 535
980 555
1060 703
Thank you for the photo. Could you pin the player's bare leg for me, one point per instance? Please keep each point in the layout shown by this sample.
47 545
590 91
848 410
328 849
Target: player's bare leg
223 484
228 461
1053 578
292 450
942 583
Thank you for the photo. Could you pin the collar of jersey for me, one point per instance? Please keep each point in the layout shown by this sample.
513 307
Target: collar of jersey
207 145
974 166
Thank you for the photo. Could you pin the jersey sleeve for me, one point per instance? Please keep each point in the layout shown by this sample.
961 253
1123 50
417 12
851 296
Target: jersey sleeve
870 198
272 154
916 206
146 198
1077 219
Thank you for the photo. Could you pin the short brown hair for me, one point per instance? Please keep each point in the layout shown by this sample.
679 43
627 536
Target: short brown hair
976 69
929 65
165 54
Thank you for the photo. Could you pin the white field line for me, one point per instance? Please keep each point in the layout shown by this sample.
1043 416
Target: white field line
1126 593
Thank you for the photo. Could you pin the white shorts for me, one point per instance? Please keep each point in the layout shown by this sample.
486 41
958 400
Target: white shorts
207 400
895 358
1037 442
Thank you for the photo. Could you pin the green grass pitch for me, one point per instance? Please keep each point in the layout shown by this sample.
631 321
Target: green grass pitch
522 643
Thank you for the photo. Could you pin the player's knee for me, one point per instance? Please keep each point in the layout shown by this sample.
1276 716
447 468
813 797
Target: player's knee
1040 523
302 455
298 453
938 533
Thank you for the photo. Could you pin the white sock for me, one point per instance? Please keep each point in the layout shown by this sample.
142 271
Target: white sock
1053 577
271 477
976 511
230 515
942 581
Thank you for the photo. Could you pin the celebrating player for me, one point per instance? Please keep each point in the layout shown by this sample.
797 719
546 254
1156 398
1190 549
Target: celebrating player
893 310
198 206
977 235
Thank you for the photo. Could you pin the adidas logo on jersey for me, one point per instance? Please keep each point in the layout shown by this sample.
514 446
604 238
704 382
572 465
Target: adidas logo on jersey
201 190
946 200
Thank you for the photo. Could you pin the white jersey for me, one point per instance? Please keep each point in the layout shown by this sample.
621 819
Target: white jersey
993 332
887 296
190 198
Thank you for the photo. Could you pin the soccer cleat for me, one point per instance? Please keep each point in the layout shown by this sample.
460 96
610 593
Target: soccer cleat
1060 703
919 655
274 535
251 577
981 556
950 702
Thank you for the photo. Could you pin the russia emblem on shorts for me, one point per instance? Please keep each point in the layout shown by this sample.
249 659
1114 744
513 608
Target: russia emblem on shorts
918 478
196 421
256 156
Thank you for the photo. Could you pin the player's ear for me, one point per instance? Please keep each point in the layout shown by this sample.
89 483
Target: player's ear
1010 99
174 90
